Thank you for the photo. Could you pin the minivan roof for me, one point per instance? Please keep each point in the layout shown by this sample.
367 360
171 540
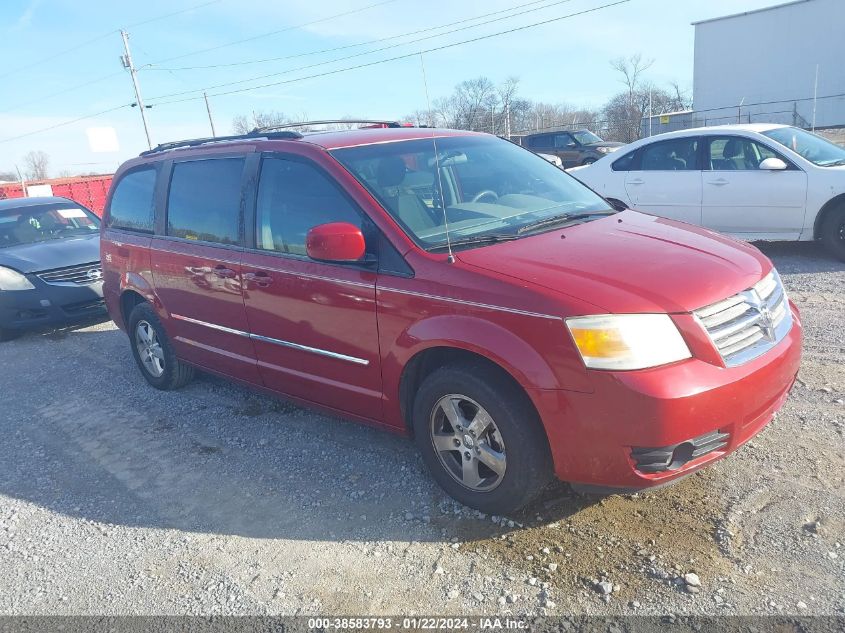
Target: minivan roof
328 140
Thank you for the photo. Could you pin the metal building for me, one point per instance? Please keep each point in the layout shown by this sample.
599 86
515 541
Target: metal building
781 64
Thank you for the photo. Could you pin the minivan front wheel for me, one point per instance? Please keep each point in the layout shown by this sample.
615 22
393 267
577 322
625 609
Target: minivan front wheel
481 439
153 352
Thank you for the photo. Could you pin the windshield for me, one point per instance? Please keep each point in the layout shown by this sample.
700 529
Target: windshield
814 148
586 138
27 225
489 187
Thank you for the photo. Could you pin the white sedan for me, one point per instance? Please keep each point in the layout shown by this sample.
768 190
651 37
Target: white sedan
753 182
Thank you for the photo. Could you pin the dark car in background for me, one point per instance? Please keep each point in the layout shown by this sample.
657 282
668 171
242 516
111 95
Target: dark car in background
578 147
50 271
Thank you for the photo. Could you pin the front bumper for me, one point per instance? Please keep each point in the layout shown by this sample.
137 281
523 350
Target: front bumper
598 439
50 304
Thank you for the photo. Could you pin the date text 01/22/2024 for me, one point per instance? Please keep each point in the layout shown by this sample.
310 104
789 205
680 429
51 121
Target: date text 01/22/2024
418 623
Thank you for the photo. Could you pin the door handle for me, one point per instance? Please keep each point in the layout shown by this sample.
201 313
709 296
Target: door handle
721 182
636 181
259 278
225 273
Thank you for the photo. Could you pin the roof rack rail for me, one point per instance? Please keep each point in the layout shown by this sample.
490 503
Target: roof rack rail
285 126
194 142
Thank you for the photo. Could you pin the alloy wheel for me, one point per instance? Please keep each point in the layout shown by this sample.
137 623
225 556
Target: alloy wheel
468 442
149 349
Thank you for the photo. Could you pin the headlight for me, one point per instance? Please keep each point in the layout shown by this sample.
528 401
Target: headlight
627 341
607 150
13 280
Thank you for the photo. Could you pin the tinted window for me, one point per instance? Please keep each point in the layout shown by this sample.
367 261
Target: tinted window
732 153
563 141
625 163
132 201
676 155
544 140
205 200
294 197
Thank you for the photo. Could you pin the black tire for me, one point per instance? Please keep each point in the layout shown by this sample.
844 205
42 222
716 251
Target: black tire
174 373
528 462
7 335
589 161
833 232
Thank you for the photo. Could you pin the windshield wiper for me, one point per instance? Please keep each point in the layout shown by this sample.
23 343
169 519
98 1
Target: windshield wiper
561 219
477 240
835 163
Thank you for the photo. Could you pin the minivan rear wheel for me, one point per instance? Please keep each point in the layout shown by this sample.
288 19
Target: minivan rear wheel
481 438
153 351
833 232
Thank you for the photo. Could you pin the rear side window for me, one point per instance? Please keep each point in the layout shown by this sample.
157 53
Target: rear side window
625 163
677 154
132 201
544 140
204 202
294 197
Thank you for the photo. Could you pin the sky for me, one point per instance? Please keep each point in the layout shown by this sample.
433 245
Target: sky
61 61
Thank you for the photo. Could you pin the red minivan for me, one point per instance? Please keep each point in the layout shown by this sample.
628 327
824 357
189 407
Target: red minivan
454 287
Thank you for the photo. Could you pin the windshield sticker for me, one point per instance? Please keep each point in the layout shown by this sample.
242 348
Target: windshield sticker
72 213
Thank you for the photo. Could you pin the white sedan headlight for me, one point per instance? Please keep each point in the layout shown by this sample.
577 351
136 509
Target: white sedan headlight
627 341
13 280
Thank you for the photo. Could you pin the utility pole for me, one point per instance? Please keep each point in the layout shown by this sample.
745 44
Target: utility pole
508 114
126 59
210 120
815 97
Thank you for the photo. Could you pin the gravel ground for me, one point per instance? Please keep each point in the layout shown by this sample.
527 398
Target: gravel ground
117 499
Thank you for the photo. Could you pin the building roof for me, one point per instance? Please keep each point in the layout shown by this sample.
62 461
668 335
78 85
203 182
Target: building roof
744 13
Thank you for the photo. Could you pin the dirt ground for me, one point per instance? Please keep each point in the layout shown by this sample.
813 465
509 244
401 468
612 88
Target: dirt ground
117 499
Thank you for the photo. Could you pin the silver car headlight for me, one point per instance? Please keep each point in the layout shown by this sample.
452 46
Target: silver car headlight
627 341
13 280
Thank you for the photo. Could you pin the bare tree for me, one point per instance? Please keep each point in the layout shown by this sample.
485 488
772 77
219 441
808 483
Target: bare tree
631 69
242 124
37 165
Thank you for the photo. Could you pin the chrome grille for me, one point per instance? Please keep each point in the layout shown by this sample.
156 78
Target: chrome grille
746 325
81 275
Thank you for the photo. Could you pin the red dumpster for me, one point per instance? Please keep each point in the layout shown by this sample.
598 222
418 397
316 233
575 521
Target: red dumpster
89 191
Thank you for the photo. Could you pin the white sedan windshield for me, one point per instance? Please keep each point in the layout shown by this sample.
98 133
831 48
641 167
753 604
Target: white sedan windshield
814 148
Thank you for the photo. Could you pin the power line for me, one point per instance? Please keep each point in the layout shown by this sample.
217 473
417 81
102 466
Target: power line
170 15
405 56
63 123
378 50
63 91
98 38
332 72
270 33
348 46
370 52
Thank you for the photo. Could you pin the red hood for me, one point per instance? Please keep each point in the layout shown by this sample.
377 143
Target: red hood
629 262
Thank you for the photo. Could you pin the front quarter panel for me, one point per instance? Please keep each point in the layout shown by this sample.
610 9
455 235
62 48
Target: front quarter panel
526 337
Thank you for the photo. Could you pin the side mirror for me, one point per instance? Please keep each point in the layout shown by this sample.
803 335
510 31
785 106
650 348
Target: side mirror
335 242
773 164
571 144
616 205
